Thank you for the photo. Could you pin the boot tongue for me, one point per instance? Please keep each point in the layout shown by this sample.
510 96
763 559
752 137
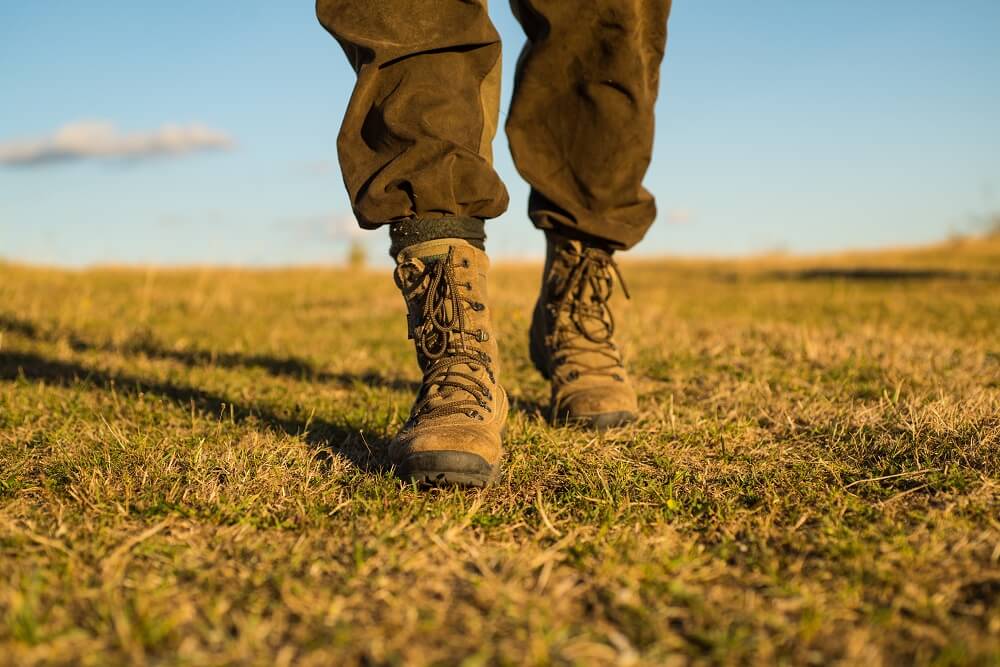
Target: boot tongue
429 253
414 266
585 306
442 395
583 320
590 313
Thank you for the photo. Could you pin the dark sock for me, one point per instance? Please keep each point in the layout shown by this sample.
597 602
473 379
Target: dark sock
405 233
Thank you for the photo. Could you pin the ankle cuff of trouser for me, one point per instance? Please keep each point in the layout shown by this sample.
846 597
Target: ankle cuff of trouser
411 231
592 231
563 232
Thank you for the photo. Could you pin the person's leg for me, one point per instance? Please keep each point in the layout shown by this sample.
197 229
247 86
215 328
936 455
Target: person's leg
581 132
415 151
415 145
581 121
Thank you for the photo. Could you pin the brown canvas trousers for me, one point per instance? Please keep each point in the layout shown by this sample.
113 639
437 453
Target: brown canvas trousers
415 143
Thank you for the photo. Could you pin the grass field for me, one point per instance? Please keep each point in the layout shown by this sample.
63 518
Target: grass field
192 471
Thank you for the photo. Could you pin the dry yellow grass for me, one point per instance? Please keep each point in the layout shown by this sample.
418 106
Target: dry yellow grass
192 471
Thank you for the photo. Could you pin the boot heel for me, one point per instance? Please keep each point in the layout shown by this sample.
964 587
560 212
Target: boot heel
536 348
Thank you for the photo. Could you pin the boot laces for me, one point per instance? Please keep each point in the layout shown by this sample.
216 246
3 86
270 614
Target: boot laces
446 345
589 325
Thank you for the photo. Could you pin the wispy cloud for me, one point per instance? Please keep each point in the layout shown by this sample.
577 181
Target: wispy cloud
325 228
102 140
679 216
314 168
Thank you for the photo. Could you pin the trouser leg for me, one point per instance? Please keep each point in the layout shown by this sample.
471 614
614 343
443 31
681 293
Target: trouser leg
581 121
415 143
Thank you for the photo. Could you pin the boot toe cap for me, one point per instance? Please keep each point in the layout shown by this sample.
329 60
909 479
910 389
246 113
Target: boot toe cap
600 407
448 455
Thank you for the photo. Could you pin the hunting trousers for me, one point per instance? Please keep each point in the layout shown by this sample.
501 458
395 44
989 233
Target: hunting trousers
416 141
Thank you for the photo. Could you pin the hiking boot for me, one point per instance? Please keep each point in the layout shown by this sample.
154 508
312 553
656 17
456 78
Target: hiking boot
572 337
454 433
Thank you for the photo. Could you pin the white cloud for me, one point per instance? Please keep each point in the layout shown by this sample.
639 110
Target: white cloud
102 140
337 227
314 168
679 216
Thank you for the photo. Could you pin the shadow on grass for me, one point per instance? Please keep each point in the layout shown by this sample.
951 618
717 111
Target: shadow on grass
328 439
284 366
289 367
875 274
529 407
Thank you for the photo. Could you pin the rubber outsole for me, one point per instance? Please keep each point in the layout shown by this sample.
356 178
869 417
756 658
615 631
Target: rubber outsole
447 468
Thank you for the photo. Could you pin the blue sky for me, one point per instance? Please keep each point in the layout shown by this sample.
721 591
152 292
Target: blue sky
802 126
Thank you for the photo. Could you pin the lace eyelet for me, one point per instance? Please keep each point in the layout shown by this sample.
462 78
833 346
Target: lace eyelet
573 375
465 263
618 377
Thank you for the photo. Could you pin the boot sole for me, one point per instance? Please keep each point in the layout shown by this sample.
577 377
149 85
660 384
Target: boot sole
447 468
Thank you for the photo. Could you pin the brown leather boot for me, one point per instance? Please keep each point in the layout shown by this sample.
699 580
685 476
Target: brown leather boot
572 337
454 432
